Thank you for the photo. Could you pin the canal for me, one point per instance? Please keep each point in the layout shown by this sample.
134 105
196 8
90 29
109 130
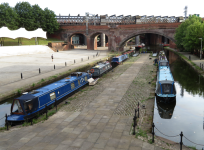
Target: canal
187 113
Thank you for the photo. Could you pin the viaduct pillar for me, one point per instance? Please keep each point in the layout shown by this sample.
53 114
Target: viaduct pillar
103 38
137 40
85 43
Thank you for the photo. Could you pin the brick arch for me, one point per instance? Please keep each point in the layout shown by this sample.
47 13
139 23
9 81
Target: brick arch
93 34
162 33
71 35
91 42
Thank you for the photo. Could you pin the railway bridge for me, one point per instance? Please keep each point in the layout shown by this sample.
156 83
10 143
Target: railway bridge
117 30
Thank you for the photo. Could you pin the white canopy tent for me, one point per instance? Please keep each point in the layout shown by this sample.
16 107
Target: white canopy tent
22 33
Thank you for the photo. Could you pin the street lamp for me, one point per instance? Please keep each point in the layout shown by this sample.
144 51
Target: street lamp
201 48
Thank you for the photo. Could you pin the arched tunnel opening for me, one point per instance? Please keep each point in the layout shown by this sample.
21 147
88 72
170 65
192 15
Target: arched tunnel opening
102 40
78 41
99 41
146 41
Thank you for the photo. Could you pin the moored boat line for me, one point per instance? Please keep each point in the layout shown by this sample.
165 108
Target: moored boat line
165 88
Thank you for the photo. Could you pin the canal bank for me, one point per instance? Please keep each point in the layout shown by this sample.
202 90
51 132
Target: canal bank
100 119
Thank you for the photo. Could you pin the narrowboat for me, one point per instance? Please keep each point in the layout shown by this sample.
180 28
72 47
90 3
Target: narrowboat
31 103
100 69
162 55
165 87
163 63
118 59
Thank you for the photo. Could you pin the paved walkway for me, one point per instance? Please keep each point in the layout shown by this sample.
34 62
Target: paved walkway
95 128
194 58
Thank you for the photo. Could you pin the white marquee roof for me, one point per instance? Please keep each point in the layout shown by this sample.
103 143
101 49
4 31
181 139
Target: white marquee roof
22 33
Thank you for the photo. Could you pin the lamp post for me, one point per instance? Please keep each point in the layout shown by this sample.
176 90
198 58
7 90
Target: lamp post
201 48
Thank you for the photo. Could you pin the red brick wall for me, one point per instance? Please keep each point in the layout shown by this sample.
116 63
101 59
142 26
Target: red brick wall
172 44
119 34
55 36
141 26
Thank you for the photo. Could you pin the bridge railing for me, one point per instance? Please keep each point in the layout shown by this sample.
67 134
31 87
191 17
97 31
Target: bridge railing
116 20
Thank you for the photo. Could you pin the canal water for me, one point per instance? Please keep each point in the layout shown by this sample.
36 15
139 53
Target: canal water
5 107
187 113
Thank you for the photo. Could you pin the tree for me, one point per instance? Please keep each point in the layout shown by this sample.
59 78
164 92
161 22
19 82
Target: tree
181 31
193 33
25 15
49 23
38 15
8 17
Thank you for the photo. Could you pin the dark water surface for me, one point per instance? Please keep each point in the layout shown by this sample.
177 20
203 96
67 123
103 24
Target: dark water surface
5 107
187 113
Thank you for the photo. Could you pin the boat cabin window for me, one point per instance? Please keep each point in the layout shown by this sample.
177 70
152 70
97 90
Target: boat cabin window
72 86
115 59
28 105
163 63
19 108
166 88
85 78
52 96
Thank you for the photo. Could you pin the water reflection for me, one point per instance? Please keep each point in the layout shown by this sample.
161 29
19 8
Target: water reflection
165 110
188 111
188 78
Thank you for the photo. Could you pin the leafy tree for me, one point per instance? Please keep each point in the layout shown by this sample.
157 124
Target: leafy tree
8 16
193 33
38 15
49 23
181 31
25 15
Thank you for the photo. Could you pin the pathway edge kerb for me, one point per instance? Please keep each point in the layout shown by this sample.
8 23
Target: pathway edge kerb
60 73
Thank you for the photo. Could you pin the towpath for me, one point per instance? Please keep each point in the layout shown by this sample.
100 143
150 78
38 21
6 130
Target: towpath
96 127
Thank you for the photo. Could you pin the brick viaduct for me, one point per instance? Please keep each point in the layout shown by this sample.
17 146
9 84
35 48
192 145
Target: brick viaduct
117 34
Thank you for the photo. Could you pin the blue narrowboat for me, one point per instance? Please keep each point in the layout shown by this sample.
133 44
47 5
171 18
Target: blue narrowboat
165 87
163 63
30 103
119 59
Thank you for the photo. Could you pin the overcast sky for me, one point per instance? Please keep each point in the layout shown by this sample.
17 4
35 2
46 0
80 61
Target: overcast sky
119 7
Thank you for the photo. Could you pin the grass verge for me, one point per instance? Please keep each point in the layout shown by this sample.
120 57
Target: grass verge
41 41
